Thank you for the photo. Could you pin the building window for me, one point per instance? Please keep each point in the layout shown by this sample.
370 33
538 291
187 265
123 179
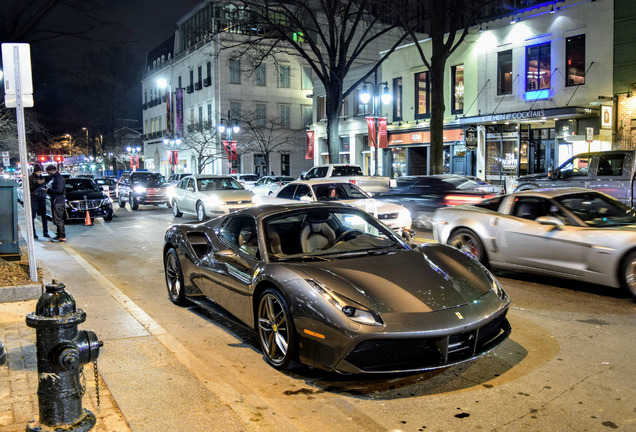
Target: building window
504 72
208 69
260 75
285 116
191 77
201 116
307 115
179 82
457 93
261 115
421 95
538 67
199 74
322 108
235 112
344 108
235 71
209 115
397 99
307 83
285 165
284 80
575 60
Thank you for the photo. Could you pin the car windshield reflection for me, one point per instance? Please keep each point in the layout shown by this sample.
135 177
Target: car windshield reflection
598 210
208 184
74 185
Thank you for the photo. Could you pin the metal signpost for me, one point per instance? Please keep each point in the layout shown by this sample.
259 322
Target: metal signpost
18 94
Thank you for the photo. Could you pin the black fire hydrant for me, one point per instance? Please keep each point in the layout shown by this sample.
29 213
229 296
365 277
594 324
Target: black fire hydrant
62 350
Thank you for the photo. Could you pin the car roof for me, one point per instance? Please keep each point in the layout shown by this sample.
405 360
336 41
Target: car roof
553 192
210 176
312 182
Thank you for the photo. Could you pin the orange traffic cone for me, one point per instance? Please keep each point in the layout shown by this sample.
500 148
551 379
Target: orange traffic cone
88 220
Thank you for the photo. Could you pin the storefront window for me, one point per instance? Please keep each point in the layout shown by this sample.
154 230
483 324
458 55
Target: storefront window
504 72
344 150
421 95
502 152
457 94
398 167
575 60
538 67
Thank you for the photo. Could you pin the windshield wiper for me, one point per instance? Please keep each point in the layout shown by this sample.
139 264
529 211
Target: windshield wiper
380 250
302 258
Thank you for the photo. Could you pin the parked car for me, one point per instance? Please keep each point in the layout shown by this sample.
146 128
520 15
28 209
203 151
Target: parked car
176 178
572 233
611 172
269 184
84 195
329 286
350 173
422 195
209 195
394 216
246 180
108 185
142 187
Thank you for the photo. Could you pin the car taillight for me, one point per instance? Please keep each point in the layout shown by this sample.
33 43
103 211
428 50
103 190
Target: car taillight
452 200
352 181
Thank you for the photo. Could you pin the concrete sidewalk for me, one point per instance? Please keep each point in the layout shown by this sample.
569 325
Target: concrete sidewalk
148 380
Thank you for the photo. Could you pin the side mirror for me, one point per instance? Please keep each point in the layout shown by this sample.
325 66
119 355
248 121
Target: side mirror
230 257
190 189
550 220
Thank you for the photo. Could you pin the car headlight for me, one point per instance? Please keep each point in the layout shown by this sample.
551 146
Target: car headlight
348 307
214 201
495 285
139 189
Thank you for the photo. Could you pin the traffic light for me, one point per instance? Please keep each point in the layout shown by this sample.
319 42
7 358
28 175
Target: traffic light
59 158
42 158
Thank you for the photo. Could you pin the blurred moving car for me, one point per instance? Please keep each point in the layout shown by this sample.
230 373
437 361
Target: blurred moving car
573 233
108 185
393 215
351 173
422 195
142 187
209 195
328 286
82 195
246 180
176 178
269 184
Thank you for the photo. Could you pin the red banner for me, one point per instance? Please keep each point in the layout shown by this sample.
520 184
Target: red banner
226 146
371 125
173 157
230 150
310 145
384 137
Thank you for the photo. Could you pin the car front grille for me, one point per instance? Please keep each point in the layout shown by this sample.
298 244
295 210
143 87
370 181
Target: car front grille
410 354
238 202
385 216
83 205
155 193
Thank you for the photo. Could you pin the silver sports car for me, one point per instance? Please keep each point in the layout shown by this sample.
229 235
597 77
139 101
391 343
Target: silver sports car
572 233
332 287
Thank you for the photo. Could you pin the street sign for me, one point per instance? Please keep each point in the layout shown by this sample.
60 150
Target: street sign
470 138
589 134
6 161
16 61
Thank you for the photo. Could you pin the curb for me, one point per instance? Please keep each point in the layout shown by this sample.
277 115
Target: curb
20 292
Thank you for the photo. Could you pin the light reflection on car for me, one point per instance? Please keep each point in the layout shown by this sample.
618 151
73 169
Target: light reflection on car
329 286
573 233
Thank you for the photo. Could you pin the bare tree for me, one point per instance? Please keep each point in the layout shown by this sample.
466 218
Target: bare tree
332 36
265 136
203 141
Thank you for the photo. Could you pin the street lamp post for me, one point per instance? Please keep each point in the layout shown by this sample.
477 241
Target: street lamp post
232 126
171 139
134 155
386 98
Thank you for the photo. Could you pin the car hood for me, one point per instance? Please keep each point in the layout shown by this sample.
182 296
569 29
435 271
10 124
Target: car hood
373 206
430 278
89 194
229 195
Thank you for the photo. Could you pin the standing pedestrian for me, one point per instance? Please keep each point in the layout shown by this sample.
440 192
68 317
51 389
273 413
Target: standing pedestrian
58 201
37 189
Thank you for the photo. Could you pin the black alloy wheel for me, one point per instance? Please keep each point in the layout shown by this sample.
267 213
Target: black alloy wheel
174 278
467 241
276 331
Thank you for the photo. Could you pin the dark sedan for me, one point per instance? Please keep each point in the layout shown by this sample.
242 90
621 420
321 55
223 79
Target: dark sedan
84 195
422 195
318 284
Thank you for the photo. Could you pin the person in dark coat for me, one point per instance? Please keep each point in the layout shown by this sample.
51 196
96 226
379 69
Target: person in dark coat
37 188
56 192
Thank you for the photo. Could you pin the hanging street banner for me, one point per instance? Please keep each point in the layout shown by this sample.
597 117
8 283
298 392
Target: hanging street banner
310 145
371 125
383 138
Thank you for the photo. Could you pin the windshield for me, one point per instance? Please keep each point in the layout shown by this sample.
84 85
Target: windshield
74 185
108 182
598 210
208 184
326 234
338 191
148 179
347 171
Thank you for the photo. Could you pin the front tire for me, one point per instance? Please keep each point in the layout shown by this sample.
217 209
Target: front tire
175 209
628 273
133 204
467 241
121 202
276 331
200 211
174 278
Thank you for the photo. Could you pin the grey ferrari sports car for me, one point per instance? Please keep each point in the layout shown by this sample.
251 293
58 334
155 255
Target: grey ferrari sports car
329 286
573 233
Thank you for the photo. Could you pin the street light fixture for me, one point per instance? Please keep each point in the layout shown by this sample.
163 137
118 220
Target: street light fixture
230 146
385 98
